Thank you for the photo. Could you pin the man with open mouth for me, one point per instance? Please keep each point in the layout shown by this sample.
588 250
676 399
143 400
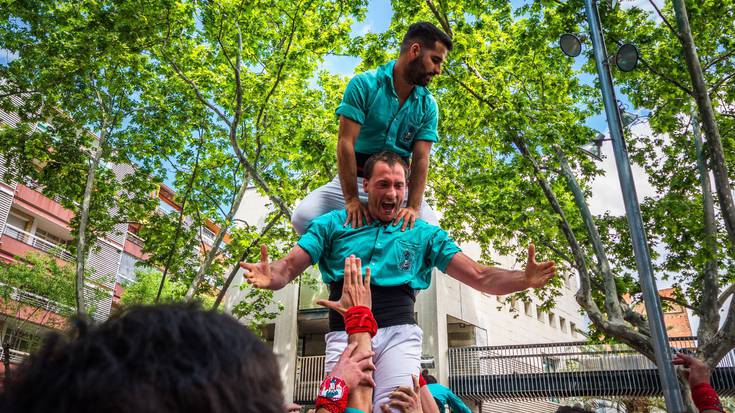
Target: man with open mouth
401 262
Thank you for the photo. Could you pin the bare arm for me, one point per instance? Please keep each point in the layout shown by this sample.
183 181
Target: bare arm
428 405
416 184
419 171
499 281
274 276
347 165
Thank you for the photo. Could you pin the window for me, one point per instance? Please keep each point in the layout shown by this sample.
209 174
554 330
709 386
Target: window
528 307
539 314
563 324
207 235
573 329
127 268
552 320
165 207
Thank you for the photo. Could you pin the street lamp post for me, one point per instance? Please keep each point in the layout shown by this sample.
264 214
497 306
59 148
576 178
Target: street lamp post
669 383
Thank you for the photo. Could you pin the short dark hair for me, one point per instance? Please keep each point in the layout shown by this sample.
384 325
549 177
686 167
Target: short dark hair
164 358
425 34
391 158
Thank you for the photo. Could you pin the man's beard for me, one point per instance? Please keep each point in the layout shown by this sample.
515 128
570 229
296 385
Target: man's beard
416 73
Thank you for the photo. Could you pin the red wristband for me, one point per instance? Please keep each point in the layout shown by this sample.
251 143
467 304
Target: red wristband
332 395
422 382
359 319
705 397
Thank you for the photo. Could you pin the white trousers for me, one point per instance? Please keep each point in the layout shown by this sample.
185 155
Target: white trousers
329 197
397 356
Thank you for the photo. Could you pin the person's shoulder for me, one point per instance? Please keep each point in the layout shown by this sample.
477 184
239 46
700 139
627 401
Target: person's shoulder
424 227
366 79
329 218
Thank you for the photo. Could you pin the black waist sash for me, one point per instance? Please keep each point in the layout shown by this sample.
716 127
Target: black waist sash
392 306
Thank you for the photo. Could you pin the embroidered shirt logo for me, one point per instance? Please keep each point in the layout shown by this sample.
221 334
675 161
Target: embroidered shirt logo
408 136
406 260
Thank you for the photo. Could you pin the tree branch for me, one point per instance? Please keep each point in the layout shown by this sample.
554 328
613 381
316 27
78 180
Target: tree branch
442 18
725 295
661 15
198 93
720 82
718 59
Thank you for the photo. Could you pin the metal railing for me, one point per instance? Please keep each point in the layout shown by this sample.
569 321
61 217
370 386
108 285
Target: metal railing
16 357
134 239
37 242
309 375
37 301
571 369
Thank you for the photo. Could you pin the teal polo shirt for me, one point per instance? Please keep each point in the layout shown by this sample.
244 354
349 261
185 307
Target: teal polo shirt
395 257
443 396
371 100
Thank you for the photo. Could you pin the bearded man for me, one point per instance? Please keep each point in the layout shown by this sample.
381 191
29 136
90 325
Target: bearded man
385 109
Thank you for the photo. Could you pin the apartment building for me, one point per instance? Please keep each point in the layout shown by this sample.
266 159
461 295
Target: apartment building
32 222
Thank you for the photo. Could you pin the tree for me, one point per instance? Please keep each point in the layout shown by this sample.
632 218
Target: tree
78 71
37 293
251 69
510 169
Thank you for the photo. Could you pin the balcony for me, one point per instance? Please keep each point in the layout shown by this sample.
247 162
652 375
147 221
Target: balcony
32 240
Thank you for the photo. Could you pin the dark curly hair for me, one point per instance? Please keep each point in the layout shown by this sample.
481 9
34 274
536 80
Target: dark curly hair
164 358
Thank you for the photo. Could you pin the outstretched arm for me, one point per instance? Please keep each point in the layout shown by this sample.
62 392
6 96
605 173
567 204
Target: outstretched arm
274 276
499 281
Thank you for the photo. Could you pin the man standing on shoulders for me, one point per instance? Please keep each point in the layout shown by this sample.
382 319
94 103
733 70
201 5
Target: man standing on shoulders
388 108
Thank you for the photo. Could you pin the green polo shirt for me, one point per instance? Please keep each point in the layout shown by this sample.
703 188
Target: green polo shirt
371 100
395 257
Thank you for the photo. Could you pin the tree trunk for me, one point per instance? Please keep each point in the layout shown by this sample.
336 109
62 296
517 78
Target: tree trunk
612 304
708 309
218 240
6 363
180 224
84 220
707 117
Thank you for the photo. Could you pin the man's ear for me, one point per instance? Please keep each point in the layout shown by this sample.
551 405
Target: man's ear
414 50
364 185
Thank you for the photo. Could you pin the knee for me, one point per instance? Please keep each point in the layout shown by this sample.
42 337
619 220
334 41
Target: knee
300 219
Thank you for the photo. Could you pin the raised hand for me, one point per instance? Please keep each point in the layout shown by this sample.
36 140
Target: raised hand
698 371
259 275
538 273
355 290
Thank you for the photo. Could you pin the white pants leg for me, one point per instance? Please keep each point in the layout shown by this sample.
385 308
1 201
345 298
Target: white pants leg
329 197
397 356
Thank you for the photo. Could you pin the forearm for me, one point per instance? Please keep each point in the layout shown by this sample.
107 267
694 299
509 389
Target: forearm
361 396
417 182
286 269
490 280
347 166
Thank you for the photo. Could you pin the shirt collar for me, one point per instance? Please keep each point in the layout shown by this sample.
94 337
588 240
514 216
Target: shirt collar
386 71
388 227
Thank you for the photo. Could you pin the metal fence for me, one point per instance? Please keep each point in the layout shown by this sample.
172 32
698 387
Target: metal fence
572 369
309 374
16 357
38 243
